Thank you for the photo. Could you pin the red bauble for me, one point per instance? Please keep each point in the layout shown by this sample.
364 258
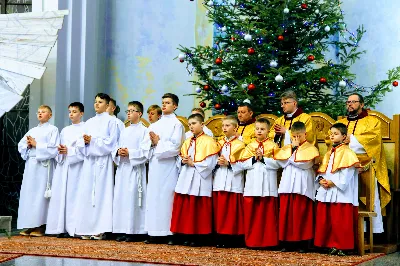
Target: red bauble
181 60
251 87
202 104
206 87
281 38
218 61
322 80
304 6
395 83
217 106
233 39
251 51
310 57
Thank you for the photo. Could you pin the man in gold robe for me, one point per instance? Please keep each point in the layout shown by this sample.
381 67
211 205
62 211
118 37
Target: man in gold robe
246 127
364 137
280 131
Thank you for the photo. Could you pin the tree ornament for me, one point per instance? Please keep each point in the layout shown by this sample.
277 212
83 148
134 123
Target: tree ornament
198 90
273 64
310 58
251 51
244 85
218 61
281 38
304 6
202 104
327 28
181 60
224 88
395 83
322 80
342 83
248 37
206 87
251 87
210 3
286 10
181 56
207 12
233 38
217 106
223 29
316 11
279 78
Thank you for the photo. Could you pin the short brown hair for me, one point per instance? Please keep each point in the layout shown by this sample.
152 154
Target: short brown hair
173 97
298 127
263 120
199 110
198 117
46 107
137 105
341 127
289 95
155 107
231 118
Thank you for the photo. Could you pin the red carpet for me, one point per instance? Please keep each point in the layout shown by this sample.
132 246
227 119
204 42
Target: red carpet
164 254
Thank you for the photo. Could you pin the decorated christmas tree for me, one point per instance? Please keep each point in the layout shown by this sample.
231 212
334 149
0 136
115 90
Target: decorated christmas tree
265 47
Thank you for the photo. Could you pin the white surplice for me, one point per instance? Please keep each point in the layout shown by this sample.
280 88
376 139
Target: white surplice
63 203
261 178
129 205
120 125
206 130
96 185
197 180
377 222
163 173
226 179
297 177
39 168
346 185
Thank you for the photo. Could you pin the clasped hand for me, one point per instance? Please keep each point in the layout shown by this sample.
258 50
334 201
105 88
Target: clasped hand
31 142
87 138
187 160
222 161
62 149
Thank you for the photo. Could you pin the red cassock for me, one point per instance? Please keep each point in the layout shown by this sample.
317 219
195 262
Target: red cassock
296 217
336 225
261 221
191 215
228 213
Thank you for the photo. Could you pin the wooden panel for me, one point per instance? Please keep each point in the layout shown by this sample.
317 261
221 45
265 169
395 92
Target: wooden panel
385 123
215 125
271 118
144 122
323 123
184 122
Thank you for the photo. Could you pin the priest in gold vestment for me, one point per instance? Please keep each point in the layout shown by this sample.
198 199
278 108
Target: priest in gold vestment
280 131
364 137
246 128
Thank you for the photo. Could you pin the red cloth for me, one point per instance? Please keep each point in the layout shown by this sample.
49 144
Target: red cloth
336 225
296 217
191 215
228 213
261 221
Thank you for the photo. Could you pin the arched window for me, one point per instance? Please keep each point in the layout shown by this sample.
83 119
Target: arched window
15 6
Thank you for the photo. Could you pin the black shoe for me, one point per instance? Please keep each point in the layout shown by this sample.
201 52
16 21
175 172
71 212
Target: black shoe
62 235
332 251
194 244
285 250
150 240
341 253
303 250
121 238
221 245
131 238
186 243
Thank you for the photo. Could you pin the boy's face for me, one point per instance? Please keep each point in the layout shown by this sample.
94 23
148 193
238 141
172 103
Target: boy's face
133 114
153 116
110 109
261 131
168 106
75 115
300 135
228 128
43 115
100 105
195 126
336 136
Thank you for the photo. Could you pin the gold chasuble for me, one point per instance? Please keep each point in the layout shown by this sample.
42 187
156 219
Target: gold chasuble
205 146
267 146
367 130
237 148
304 153
247 131
287 122
344 157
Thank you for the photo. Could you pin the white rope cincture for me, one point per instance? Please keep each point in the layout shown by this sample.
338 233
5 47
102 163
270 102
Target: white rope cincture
47 192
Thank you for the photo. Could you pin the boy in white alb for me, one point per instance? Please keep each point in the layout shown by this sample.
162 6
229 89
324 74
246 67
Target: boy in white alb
63 203
96 186
38 148
130 181
297 191
163 143
228 187
337 196
206 131
154 113
261 190
192 210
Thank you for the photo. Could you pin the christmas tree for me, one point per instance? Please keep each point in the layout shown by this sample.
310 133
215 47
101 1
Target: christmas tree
265 47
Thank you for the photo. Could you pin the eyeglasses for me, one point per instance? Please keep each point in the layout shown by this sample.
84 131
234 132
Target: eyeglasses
351 102
284 103
131 111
